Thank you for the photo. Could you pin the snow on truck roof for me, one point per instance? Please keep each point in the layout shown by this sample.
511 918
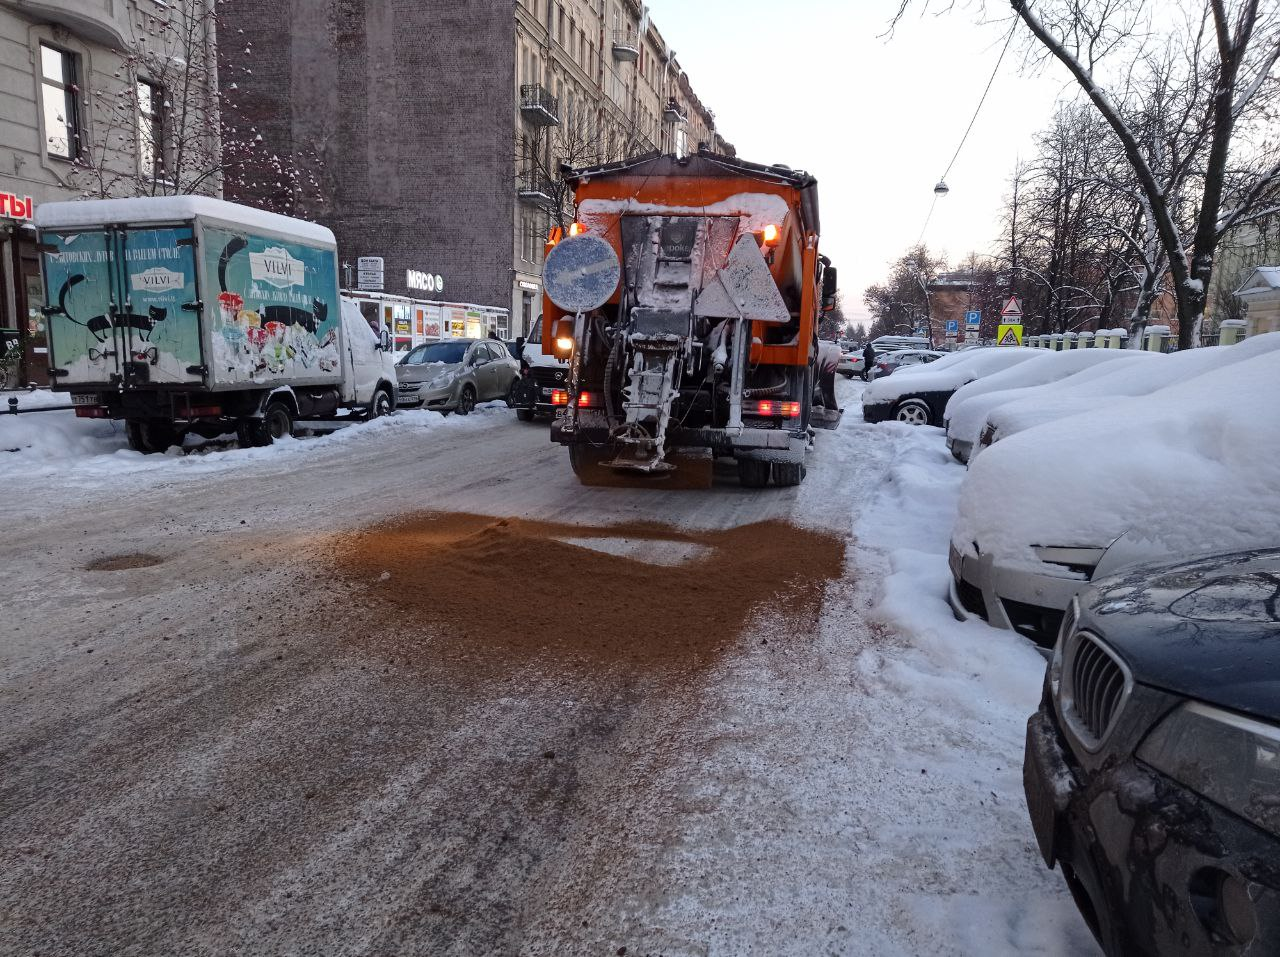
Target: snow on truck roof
168 209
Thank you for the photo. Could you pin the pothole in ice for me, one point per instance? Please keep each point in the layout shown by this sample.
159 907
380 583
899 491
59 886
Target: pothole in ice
119 563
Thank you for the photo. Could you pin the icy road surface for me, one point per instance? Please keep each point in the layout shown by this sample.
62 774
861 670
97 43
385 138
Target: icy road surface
209 746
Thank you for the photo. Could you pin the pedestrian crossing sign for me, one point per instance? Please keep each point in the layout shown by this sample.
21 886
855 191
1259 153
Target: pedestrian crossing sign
1009 334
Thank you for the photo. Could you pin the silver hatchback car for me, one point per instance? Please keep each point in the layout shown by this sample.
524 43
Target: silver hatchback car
454 374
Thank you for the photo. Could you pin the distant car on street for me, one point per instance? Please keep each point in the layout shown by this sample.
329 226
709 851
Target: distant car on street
1152 767
891 362
454 374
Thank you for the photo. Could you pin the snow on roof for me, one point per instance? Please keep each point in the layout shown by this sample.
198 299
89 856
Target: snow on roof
1264 279
168 209
1178 472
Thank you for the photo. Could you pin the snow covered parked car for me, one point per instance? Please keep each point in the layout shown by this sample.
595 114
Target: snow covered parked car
904 359
967 411
1172 474
1099 388
919 395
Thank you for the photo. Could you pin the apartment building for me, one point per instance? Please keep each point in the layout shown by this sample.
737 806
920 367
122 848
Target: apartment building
434 130
596 82
98 98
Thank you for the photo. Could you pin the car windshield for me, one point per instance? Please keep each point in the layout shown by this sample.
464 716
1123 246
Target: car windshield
448 352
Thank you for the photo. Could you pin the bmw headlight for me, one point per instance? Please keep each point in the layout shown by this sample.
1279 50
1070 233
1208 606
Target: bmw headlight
1232 760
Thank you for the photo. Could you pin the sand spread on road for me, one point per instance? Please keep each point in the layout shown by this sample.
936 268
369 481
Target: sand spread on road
517 586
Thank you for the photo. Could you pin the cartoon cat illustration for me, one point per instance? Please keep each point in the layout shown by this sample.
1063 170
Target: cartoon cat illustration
100 326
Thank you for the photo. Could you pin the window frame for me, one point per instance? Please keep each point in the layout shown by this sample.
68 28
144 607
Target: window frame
68 84
158 124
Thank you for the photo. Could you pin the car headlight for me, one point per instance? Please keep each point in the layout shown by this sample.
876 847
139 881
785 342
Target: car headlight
1232 760
442 380
1069 619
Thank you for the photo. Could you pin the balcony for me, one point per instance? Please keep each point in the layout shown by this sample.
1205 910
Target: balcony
626 46
674 113
98 21
535 190
538 106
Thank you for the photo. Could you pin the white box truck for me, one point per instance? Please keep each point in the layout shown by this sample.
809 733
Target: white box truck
184 313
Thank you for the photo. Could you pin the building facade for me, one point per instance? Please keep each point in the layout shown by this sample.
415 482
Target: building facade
429 134
98 98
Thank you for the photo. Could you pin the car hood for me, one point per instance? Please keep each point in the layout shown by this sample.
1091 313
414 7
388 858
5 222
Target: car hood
425 373
1206 629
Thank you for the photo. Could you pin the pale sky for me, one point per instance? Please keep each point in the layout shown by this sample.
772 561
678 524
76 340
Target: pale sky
813 84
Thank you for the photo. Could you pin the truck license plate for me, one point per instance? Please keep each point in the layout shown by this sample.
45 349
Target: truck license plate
86 398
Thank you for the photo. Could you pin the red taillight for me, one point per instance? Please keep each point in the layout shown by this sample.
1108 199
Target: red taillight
204 411
787 410
559 397
91 412
588 400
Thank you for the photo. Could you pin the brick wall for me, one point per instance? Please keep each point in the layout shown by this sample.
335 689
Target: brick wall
407 104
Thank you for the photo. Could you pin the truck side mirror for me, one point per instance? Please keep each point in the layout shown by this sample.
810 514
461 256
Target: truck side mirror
384 340
829 288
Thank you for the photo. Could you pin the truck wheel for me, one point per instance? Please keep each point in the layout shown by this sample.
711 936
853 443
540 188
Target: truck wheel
753 473
524 415
587 463
467 400
788 473
276 423
381 404
150 436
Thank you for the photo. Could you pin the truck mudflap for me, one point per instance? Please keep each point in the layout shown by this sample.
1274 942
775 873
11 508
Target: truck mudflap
822 418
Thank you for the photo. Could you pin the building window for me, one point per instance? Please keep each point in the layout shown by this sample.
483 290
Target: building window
58 91
152 132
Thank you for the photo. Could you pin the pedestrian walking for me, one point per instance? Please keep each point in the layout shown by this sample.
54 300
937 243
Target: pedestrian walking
868 362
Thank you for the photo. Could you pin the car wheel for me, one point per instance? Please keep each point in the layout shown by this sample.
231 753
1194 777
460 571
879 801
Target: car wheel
524 415
848 375
913 412
753 473
466 400
511 394
381 404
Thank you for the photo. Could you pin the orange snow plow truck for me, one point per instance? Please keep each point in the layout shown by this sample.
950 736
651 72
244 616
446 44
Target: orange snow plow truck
686 301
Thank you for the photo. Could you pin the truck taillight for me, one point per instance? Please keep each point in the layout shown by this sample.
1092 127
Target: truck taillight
770 235
204 411
786 410
91 412
588 400
559 397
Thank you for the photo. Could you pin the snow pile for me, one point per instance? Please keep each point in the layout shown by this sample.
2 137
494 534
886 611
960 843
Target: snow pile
58 442
1190 469
967 411
1096 389
954 809
936 377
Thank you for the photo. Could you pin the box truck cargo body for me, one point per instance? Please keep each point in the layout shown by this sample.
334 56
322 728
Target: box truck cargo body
186 312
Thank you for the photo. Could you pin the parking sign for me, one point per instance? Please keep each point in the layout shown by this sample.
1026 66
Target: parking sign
953 327
972 319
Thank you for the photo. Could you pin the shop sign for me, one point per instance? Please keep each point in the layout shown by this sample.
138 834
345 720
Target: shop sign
427 282
16 207
369 272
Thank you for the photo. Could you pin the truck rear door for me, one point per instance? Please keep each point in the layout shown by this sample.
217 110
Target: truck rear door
123 307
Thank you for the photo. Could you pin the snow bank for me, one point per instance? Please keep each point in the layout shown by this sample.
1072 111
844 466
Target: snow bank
936 377
1097 389
59 443
967 410
955 768
1190 469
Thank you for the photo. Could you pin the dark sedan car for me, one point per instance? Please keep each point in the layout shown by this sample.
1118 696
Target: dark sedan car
1152 769
918 394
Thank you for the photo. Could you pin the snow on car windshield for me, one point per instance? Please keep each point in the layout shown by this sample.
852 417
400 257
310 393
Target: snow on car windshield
1191 468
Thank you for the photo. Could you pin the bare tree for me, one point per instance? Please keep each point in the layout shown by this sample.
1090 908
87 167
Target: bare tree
168 128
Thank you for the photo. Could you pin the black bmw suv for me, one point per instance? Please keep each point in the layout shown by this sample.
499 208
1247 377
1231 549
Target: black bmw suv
1152 769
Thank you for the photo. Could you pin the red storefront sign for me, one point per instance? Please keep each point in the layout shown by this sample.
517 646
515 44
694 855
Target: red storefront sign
16 207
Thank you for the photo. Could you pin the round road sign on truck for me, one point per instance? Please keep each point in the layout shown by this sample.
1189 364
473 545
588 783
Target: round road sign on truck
581 273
